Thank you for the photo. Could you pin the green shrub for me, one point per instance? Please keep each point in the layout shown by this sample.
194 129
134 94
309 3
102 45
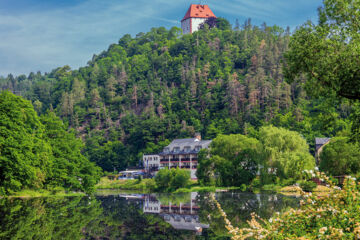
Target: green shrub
287 182
243 187
56 189
170 180
335 216
271 187
307 186
340 157
150 184
255 183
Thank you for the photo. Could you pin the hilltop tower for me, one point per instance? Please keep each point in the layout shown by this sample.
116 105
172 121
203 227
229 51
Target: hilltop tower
195 16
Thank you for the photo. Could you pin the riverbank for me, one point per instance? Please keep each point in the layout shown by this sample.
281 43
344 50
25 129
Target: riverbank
149 185
142 185
296 191
43 193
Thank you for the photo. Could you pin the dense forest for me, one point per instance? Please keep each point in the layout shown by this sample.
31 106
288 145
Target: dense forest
146 90
39 152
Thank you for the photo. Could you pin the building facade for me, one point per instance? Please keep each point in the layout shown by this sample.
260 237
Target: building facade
196 15
151 162
180 153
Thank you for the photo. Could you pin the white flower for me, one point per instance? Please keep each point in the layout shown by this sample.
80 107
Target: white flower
322 230
316 169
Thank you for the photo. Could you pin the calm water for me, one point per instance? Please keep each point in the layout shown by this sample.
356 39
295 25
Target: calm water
112 215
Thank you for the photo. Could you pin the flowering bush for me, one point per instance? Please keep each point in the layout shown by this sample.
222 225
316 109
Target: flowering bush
335 216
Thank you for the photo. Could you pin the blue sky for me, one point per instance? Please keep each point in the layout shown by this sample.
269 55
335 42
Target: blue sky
40 35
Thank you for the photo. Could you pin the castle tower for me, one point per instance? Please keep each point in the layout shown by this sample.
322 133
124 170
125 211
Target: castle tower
195 16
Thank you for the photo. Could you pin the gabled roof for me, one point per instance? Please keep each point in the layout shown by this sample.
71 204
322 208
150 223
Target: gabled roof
199 11
188 142
321 141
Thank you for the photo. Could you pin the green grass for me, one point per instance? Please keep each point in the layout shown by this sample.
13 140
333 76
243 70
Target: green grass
149 185
271 187
205 189
145 185
28 193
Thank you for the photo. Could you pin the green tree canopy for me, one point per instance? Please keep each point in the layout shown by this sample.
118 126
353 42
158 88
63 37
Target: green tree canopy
232 161
25 158
172 179
39 152
328 53
70 168
340 157
286 151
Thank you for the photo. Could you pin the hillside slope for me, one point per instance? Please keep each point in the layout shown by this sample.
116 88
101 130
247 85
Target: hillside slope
147 90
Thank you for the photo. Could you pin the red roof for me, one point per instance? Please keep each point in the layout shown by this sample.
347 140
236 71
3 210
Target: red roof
199 11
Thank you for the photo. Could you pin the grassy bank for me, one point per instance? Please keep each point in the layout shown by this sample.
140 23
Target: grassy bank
44 193
144 185
205 189
297 191
149 185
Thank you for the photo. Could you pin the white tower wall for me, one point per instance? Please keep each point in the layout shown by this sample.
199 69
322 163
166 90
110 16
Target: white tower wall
186 26
196 22
191 25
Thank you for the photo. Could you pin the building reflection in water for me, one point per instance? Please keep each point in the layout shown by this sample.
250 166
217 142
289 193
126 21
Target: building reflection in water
180 215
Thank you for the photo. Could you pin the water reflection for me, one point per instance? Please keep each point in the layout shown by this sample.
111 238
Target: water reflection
180 215
133 216
46 218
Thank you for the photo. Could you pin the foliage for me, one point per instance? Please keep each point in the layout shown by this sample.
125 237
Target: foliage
145 185
154 87
220 23
146 90
335 216
340 157
327 54
286 152
25 157
38 152
232 161
70 168
307 186
170 180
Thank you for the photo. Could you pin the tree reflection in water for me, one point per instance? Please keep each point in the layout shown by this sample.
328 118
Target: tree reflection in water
46 218
155 216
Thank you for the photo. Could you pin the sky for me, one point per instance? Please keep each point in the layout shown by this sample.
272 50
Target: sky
40 35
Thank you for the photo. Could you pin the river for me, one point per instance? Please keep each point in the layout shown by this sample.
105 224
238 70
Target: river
116 215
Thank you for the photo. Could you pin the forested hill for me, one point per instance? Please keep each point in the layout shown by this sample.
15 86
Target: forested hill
147 90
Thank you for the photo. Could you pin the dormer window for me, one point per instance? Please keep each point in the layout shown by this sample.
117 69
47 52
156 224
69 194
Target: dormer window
187 149
198 148
166 150
176 149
